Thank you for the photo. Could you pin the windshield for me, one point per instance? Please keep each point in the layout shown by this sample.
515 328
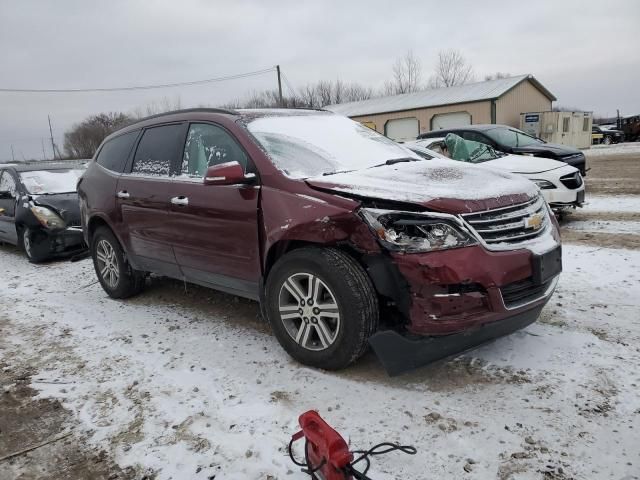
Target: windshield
43 182
511 137
311 145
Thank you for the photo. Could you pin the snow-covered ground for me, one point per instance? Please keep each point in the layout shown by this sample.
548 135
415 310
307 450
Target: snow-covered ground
607 226
620 203
615 149
191 385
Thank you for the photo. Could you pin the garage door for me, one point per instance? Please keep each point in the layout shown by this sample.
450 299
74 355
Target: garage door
450 120
402 129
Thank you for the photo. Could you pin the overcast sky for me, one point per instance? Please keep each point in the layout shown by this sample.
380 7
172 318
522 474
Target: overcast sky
585 52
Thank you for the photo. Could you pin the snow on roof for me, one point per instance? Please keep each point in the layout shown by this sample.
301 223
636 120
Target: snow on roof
471 92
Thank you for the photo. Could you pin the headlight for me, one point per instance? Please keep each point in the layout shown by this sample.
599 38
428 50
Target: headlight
414 232
48 218
543 184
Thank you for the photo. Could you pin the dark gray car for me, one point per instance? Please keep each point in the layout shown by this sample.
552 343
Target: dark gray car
39 210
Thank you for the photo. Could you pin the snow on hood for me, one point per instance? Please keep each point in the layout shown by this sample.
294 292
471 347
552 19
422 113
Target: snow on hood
524 164
427 182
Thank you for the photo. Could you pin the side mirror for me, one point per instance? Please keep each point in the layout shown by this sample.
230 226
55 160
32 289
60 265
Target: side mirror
5 194
229 173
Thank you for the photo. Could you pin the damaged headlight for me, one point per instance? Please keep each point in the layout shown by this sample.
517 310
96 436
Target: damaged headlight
414 232
48 218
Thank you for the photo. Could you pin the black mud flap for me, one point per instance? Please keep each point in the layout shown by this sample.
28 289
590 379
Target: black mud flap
399 354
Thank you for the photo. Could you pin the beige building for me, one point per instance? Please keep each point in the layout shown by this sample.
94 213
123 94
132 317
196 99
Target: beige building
404 117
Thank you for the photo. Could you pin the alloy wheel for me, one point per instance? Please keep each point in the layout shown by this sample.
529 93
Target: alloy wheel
26 243
309 311
107 263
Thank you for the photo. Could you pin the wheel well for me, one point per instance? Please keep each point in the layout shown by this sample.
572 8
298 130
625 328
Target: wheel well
283 247
94 224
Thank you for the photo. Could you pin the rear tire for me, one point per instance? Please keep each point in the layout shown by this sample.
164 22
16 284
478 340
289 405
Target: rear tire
607 140
114 273
322 307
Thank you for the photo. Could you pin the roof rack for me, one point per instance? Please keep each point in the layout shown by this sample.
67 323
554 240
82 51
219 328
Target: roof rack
226 111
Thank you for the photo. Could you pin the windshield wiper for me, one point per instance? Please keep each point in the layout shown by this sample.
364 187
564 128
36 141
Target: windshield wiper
393 161
336 171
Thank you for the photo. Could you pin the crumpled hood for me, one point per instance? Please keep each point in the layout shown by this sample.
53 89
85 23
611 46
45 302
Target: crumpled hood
441 185
524 164
65 204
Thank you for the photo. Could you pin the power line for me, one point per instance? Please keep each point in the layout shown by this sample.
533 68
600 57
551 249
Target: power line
138 87
291 89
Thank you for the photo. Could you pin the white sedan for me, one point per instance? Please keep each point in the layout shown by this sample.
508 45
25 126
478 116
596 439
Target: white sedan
561 184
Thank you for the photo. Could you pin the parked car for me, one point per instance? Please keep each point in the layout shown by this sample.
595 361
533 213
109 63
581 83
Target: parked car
609 135
345 237
511 140
39 209
631 127
561 184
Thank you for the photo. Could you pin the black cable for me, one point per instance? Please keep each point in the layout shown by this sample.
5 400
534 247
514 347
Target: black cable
376 450
137 87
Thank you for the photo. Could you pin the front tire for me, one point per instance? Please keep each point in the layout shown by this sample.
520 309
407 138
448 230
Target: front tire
115 274
607 140
322 307
34 244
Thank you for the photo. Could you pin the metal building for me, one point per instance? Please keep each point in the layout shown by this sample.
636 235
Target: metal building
403 117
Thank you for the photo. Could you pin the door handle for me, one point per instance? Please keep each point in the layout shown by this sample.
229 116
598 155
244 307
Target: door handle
123 194
181 200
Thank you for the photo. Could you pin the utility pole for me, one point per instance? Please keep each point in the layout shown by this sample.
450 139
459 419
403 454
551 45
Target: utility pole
53 145
279 85
44 155
13 155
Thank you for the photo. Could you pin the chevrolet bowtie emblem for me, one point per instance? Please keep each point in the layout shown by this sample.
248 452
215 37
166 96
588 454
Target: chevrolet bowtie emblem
534 221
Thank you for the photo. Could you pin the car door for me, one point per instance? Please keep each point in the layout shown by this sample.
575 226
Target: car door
143 194
8 196
215 227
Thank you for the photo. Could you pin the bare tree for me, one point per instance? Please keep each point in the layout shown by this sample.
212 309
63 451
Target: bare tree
406 75
496 76
452 69
355 92
84 138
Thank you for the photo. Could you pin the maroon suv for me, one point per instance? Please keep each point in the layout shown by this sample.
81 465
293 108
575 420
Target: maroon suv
346 238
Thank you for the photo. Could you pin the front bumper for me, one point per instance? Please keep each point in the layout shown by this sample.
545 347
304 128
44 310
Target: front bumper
459 289
67 241
460 299
563 197
399 354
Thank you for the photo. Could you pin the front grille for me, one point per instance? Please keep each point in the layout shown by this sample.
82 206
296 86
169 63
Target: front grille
524 291
74 223
572 180
510 224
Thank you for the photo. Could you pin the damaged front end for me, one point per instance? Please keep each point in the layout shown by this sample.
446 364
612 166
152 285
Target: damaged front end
54 225
456 288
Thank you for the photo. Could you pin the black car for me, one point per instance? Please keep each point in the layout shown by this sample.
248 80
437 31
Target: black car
609 135
39 209
511 140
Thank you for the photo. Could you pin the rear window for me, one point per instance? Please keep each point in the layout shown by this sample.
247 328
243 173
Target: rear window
159 151
113 154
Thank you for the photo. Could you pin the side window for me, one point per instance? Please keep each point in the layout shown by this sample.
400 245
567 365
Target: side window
158 150
476 137
113 154
209 145
7 183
